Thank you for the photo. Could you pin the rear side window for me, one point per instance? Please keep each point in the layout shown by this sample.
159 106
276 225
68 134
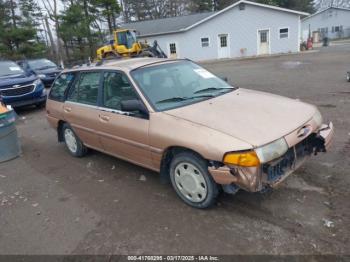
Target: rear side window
60 86
85 90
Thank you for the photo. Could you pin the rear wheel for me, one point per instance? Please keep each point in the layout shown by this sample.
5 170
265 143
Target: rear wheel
72 141
146 53
111 55
191 180
348 76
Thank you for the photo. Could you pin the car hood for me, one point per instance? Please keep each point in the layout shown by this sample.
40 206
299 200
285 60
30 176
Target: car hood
254 117
47 71
16 80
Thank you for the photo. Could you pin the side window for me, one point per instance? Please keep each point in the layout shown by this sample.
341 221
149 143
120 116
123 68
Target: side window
116 88
205 41
284 33
60 86
85 90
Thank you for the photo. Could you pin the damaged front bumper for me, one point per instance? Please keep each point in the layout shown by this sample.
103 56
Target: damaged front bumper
270 174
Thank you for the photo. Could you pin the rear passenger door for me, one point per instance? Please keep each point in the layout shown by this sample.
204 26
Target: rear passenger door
81 108
122 135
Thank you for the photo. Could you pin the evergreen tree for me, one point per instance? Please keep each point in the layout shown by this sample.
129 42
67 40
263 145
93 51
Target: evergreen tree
201 6
18 29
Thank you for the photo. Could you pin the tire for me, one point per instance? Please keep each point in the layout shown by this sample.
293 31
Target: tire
348 76
72 141
191 180
111 55
146 54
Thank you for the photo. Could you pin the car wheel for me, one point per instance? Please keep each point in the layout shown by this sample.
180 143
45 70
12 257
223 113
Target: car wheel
348 76
72 141
191 180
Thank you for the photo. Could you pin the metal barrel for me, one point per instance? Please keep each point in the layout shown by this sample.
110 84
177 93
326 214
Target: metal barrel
9 143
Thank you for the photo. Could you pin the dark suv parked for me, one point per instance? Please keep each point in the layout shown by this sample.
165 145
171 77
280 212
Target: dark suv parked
20 88
45 69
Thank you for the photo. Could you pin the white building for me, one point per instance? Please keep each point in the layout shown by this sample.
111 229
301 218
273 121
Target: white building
242 29
332 22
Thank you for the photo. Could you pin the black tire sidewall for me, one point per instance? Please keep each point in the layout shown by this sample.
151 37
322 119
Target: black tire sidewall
201 164
81 150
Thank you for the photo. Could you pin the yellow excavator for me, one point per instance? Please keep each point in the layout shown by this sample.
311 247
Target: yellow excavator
124 43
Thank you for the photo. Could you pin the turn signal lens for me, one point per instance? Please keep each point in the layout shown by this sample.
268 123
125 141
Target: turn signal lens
242 159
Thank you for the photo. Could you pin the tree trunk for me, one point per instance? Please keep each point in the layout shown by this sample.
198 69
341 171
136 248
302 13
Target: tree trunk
13 16
87 21
52 46
109 19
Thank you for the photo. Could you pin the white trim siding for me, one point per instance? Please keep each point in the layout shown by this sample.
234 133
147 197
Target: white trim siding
241 26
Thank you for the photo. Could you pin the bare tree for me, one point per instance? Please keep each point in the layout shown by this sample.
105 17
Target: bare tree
51 7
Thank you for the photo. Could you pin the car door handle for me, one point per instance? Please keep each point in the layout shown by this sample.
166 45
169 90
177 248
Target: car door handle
104 118
67 109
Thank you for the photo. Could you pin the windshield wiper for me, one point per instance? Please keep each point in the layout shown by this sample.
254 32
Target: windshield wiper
172 99
10 75
212 89
180 98
45 67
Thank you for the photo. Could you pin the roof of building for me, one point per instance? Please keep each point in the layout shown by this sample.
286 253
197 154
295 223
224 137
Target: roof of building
166 25
331 7
185 23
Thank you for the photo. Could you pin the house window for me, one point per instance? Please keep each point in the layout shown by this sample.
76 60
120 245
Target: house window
336 29
284 33
223 41
263 36
172 47
205 41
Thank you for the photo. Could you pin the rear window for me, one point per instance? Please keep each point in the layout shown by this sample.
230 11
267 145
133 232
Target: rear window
60 86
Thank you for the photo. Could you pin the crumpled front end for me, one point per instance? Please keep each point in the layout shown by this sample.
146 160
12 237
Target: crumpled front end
270 174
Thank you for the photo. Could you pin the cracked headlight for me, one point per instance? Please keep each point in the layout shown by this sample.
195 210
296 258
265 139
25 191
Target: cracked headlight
272 151
318 118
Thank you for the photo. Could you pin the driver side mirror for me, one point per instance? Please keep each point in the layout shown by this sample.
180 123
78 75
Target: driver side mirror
134 105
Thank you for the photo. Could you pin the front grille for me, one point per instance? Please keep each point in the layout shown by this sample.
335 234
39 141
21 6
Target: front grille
21 84
17 91
278 168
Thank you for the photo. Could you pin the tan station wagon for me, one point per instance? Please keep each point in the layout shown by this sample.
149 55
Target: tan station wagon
177 118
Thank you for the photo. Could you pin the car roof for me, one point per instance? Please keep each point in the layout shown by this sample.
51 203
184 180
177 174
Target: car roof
127 64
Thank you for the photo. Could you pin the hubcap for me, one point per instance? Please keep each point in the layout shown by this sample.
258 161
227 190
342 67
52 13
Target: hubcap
70 139
190 182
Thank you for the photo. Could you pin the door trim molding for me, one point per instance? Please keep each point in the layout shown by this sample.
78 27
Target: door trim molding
258 40
228 44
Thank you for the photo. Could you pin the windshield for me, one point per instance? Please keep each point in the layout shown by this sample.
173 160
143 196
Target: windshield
41 64
177 84
8 68
127 38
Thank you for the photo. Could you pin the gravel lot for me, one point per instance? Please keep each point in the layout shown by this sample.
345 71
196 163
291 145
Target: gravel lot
57 204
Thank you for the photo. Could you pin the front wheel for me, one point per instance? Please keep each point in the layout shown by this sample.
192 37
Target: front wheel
191 180
72 141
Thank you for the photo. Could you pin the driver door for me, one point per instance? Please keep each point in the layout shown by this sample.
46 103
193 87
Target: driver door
122 135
